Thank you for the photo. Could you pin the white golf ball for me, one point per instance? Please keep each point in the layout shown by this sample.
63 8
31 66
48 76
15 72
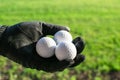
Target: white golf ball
65 50
45 47
62 36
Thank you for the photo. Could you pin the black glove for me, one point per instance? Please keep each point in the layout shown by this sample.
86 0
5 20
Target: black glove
18 43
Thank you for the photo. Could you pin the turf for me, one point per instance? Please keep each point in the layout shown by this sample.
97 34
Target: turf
96 21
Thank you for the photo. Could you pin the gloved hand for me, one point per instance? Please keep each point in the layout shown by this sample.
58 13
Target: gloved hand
18 43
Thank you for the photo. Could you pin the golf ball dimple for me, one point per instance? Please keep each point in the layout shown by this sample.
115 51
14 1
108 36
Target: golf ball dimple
62 36
45 47
65 50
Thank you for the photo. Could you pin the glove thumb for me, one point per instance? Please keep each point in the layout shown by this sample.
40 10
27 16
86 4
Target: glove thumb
51 29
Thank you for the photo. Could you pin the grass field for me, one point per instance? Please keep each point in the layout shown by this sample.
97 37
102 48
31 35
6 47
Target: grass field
96 21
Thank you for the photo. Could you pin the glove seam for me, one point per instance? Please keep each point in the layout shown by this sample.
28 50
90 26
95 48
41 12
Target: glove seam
25 34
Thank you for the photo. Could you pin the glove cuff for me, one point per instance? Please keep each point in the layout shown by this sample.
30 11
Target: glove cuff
2 29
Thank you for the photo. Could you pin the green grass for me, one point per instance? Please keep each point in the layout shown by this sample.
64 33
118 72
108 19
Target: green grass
96 21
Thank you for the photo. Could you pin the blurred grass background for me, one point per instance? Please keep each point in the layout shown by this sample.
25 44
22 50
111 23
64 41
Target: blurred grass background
96 21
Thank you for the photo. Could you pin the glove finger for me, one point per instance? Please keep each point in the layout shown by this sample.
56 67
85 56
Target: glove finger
79 43
80 47
79 59
76 40
64 64
59 65
51 29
